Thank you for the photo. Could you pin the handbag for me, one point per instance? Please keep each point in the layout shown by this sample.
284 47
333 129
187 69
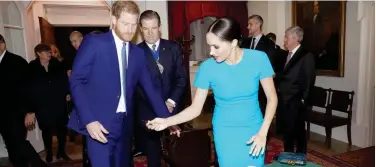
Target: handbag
191 149
292 158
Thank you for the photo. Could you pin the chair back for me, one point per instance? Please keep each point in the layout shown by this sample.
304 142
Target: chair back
319 97
341 101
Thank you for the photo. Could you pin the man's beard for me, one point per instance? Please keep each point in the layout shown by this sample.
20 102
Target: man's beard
120 35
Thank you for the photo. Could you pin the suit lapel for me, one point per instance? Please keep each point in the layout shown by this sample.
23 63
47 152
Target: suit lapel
260 44
131 63
163 52
150 58
297 56
113 56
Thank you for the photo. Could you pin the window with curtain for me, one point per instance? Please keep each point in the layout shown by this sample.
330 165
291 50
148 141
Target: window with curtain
13 29
200 49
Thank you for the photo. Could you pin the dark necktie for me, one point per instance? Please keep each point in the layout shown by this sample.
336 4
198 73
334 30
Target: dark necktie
288 58
253 43
125 65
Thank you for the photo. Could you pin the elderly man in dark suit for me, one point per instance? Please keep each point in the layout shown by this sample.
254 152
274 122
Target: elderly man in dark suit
294 84
168 73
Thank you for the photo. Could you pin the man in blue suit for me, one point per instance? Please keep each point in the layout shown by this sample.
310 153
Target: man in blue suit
168 73
106 71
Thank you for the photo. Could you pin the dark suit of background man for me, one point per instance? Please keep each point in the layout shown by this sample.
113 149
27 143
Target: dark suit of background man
168 72
258 41
13 109
105 74
294 85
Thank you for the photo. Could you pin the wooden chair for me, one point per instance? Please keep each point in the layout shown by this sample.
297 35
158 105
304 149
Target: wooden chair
330 100
341 101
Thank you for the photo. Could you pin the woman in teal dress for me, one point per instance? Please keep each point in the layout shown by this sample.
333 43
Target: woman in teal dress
234 75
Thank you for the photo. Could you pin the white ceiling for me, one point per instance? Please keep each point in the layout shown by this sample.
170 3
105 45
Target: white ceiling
24 4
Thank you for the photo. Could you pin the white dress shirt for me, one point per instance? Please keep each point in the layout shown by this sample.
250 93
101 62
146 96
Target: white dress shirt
156 48
156 45
294 50
119 46
2 55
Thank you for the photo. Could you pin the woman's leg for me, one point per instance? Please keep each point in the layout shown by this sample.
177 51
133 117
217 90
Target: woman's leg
47 141
61 130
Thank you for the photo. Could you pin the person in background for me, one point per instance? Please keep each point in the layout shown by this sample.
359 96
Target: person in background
55 52
233 74
258 41
13 109
76 38
294 84
168 72
48 91
273 37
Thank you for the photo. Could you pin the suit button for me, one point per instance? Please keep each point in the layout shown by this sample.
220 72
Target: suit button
118 96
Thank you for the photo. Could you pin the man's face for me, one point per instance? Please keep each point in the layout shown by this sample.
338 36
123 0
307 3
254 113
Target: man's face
253 26
289 41
125 26
76 41
2 47
316 8
151 30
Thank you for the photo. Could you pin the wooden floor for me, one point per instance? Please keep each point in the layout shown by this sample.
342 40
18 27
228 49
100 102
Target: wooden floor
316 143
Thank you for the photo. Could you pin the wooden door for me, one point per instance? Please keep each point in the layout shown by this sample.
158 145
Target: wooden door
47 31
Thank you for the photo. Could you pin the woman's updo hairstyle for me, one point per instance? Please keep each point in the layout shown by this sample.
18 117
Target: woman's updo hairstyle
227 29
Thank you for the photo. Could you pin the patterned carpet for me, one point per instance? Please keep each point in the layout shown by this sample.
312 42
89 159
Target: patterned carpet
360 158
275 146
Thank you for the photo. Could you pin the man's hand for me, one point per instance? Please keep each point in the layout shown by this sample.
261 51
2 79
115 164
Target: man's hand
68 98
69 72
170 107
30 121
97 131
174 130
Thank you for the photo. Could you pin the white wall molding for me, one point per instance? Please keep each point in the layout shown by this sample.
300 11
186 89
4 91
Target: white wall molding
366 77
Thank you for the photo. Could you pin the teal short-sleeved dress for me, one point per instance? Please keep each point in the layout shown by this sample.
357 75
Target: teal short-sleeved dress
237 115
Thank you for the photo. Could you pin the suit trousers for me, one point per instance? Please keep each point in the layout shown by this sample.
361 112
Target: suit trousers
293 120
149 142
118 149
21 152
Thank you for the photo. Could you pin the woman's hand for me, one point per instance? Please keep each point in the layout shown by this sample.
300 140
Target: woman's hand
30 121
258 144
157 124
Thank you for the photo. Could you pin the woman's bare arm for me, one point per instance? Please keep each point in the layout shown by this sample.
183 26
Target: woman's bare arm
191 112
271 106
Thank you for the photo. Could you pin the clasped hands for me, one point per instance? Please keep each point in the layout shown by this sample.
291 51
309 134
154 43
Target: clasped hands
159 124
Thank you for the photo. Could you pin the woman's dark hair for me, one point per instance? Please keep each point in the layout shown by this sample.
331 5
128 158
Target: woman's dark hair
227 29
41 48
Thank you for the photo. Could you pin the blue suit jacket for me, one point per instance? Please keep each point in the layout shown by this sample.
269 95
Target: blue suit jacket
95 83
172 81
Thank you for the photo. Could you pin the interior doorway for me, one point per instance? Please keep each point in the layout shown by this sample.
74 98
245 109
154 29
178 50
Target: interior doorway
62 40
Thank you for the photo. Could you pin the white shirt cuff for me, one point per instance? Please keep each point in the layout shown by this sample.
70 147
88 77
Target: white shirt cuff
172 102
